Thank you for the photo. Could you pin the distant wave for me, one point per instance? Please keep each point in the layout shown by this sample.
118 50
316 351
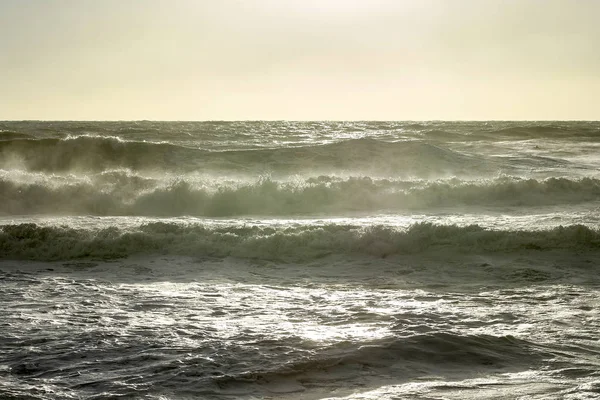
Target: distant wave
200 129
527 131
125 193
31 241
99 153
10 135
88 153
493 131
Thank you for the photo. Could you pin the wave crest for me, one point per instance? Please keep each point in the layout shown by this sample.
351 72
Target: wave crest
100 153
31 241
125 193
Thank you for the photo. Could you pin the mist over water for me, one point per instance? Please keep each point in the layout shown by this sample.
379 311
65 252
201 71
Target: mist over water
358 260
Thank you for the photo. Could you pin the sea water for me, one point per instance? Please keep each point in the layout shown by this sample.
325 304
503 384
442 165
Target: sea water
299 260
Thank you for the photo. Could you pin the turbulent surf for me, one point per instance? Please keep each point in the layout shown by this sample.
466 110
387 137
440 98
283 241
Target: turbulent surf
299 260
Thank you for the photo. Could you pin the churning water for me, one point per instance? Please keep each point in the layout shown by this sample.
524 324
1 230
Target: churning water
299 260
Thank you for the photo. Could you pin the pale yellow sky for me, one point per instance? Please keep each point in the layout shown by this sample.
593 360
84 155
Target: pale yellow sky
299 59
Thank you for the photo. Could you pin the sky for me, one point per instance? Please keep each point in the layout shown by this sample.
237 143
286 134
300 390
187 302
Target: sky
300 59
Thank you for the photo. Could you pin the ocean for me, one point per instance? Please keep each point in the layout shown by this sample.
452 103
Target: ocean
299 260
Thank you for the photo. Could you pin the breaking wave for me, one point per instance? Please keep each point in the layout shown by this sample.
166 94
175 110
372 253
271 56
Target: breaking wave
125 193
89 153
100 153
304 243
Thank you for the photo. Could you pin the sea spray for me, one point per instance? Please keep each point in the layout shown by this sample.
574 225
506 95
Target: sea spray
30 241
125 193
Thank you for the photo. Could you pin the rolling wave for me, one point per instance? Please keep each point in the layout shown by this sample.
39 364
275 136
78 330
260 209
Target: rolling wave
125 193
304 243
10 135
88 153
100 153
285 370
402 357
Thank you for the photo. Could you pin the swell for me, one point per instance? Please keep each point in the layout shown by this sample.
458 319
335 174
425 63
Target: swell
88 153
298 243
125 193
494 131
99 153
6 135
552 130
403 356
220 368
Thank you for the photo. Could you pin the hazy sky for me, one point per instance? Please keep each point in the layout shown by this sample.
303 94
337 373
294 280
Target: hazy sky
299 59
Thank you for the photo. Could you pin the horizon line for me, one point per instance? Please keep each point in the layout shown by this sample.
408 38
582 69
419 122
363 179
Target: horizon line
300 120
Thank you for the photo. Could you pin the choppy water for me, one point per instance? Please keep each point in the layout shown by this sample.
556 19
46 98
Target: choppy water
299 260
